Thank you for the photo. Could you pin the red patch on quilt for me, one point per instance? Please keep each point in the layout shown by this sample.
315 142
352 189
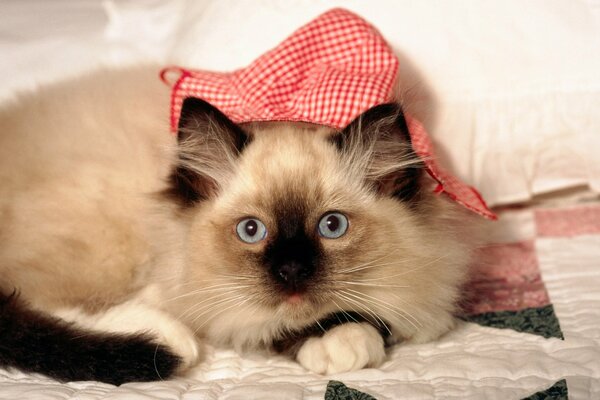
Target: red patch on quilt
506 277
582 220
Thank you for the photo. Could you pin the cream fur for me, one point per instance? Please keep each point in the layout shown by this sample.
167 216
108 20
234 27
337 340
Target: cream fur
77 161
83 230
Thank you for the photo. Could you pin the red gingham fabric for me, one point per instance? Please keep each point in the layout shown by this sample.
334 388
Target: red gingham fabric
457 190
328 72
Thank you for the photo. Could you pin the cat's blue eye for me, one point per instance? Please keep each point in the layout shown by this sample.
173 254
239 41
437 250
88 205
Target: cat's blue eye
333 225
251 230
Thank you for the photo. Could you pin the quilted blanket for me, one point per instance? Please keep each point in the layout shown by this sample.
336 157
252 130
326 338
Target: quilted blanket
531 329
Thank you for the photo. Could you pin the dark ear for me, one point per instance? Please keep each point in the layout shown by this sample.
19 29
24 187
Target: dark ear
209 144
378 141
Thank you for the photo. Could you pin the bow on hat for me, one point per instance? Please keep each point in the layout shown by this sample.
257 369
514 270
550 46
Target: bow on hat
328 72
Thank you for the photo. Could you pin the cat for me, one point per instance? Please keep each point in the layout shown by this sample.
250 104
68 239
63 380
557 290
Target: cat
125 248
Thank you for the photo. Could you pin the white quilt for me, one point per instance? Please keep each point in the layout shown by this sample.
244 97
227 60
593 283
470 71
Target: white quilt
43 41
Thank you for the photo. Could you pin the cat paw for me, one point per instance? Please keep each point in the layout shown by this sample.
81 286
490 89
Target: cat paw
346 347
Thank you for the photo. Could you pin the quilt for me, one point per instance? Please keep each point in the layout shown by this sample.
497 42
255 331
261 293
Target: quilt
530 330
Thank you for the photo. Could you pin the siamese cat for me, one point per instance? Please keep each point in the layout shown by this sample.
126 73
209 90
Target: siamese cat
124 248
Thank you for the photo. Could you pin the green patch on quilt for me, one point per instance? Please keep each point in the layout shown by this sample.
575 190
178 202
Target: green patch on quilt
336 390
540 321
558 391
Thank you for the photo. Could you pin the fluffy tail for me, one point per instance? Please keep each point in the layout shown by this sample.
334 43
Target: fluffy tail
35 342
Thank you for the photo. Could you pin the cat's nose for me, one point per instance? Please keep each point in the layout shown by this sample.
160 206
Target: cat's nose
293 275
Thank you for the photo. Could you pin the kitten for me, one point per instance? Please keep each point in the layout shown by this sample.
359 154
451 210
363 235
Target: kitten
124 247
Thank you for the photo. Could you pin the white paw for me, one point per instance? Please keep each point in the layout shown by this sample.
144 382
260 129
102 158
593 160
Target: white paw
347 347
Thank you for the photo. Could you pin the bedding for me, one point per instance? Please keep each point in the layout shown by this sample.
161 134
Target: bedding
530 325
515 115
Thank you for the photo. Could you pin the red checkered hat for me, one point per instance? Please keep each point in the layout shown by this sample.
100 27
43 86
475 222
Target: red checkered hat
328 72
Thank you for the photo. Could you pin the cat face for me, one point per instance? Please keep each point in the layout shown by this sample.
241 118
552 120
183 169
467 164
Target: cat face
289 223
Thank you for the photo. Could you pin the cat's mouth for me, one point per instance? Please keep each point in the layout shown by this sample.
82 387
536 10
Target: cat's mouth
295 299
300 305
305 297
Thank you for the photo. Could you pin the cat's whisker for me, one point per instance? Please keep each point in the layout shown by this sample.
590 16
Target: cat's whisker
359 300
196 306
238 276
376 299
364 307
206 309
406 272
220 277
359 267
237 304
168 278
192 308
199 292
372 266
361 306
407 304
319 325
354 305
381 285
199 305
398 262
210 289
388 306
225 284
344 312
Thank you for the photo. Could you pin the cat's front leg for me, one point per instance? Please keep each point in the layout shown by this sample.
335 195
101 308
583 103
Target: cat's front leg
135 317
346 347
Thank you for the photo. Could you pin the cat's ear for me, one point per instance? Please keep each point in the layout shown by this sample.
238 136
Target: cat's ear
209 144
377 145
